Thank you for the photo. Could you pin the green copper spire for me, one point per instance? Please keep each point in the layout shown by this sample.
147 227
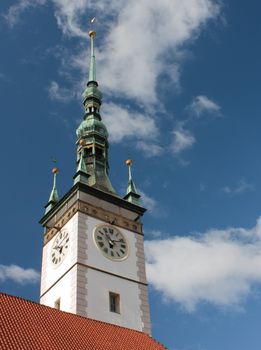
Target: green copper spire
132 195
92 134
53 199
92 72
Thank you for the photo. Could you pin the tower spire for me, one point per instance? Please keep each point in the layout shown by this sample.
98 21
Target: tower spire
132 195
92 134
92 71
54 198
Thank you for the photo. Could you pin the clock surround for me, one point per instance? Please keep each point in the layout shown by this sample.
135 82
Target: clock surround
111 242
60 247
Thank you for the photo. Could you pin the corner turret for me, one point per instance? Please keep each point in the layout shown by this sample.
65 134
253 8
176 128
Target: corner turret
132 195
54 198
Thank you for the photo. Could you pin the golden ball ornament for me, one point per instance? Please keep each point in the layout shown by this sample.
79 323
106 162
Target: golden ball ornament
92 34
82 142
129 162
55 170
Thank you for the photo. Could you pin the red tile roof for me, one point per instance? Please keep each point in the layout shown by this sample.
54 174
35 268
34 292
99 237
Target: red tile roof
26 325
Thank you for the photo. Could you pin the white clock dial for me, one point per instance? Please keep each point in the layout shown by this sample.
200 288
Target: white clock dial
60 247
111 242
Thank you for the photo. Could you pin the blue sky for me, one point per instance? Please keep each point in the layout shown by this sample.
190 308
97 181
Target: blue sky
181 85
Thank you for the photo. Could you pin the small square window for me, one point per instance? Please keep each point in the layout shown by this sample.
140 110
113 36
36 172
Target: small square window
114 302
57 304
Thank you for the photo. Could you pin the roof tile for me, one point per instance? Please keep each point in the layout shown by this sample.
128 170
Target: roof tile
26 325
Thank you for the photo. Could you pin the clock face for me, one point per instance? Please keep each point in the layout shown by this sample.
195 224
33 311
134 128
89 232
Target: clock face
111 242
60 247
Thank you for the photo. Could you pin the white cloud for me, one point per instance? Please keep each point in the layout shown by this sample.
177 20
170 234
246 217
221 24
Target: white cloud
149 149
219 267
18 274
182 139
15 11
142 39
60 94
148 202
202 104
123 123
241 187
68 14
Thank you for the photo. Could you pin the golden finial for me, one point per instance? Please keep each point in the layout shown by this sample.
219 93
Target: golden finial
55 170
129 162
92 34
82 142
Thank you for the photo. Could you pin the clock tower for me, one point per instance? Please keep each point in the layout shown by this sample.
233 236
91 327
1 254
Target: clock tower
93 260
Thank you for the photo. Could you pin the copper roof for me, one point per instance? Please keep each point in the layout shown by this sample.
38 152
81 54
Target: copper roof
26 325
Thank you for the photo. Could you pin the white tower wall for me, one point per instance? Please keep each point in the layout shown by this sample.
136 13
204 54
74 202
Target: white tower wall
83 281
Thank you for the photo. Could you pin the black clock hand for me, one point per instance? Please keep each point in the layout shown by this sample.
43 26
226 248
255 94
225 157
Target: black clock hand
111 242
63 240
57 247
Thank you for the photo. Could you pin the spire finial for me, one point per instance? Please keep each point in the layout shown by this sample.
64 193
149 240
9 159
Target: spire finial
131 193
129 163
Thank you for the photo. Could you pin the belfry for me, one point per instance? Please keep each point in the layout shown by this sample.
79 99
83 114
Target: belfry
93 261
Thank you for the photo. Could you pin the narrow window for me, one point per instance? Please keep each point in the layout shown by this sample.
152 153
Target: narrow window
114 302
99 153
88 151
57 304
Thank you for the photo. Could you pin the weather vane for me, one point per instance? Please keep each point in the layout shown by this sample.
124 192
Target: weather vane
54 160
93 21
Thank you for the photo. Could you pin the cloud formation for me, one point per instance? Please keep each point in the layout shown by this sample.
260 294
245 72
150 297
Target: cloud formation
241 187
122 122
141 42
15 11
202 104
219 267
149 149
18 274
134 39
183 139
144 36
148 202
57 93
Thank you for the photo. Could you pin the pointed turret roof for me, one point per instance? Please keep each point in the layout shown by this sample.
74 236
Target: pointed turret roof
54 198
81 173
132 195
